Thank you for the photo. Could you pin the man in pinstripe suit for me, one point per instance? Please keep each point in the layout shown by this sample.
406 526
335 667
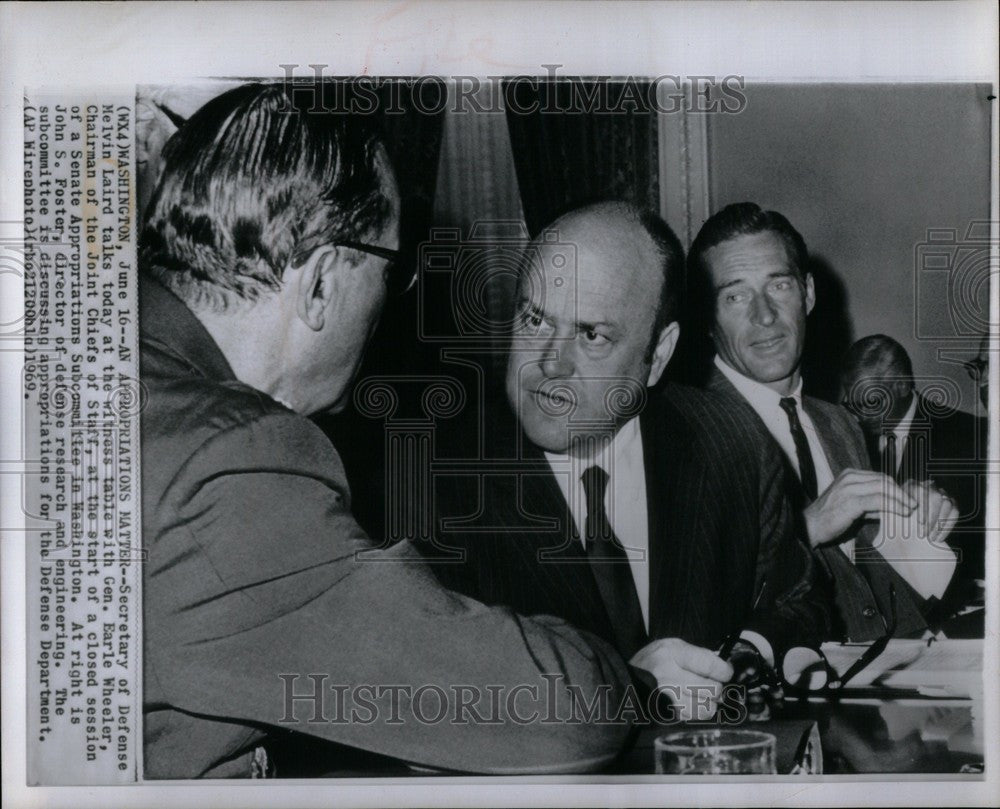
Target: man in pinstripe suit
749 279
655 520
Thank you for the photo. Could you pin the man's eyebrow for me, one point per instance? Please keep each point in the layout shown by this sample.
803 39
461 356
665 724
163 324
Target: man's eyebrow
728 284
584 326
789 273
524 305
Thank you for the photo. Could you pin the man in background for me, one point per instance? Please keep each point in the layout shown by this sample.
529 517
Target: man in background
978 369
267 253
653 518
748 274
913 437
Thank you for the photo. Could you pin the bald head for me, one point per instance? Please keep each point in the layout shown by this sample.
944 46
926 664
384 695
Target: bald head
877 354
594 322
613 228
624 236
877 381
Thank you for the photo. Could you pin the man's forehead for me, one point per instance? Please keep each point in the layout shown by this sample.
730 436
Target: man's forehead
598 257
753 252
554 263
866 377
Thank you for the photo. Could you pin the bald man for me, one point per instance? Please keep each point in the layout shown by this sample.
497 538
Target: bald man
913 437
656 521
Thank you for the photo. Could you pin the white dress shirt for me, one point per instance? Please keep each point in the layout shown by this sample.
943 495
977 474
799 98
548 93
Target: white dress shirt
625 502
926 579
624 499
767 403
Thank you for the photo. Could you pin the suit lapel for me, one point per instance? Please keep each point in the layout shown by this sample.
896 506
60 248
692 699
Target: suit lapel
837 442
718 383
539 497
562 580
671 471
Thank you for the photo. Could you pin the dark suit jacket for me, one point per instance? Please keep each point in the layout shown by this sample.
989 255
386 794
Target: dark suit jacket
253 571
720 528
861 590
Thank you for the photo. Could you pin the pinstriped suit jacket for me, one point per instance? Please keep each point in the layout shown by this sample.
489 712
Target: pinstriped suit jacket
860 590
720 530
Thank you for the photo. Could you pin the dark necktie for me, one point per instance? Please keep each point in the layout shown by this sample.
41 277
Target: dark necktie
887 460
807 470
609 564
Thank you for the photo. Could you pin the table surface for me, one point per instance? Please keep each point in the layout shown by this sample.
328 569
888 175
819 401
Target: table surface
897 735
859 734
862 735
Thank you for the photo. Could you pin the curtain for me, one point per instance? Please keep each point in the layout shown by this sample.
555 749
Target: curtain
477 207
574 142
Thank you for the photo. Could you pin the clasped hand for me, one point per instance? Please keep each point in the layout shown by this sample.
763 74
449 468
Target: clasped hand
697 680
856 494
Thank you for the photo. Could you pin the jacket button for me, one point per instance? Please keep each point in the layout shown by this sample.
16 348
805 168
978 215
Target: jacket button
868 612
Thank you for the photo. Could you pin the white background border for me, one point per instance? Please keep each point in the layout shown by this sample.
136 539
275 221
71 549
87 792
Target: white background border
116 44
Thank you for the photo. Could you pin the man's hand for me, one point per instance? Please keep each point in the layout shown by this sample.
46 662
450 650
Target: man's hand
749 667
936 511
761 688
691 675
854 493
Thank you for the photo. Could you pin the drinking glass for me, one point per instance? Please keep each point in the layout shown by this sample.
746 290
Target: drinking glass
715 752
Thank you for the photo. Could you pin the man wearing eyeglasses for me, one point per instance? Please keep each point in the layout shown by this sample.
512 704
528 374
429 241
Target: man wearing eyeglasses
267 611
749 280
912 436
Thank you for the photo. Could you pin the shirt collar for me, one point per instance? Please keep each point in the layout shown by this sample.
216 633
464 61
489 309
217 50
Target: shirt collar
164 319
620 454
759 395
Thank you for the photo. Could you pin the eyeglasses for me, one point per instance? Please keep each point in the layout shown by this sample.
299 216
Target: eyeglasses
828 678
875 649
977 367
400 272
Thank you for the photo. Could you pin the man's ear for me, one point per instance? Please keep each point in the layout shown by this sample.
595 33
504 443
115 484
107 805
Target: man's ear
810 293
665 345
315 289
